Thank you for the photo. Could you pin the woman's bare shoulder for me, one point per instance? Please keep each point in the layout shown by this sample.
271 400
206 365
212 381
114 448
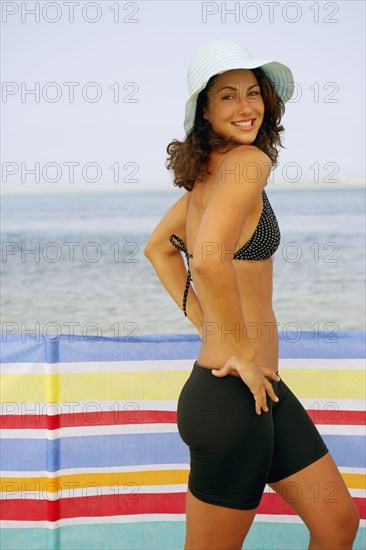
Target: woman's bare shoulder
247 152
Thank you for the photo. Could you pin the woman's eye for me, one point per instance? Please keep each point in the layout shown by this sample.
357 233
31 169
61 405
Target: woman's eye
231 96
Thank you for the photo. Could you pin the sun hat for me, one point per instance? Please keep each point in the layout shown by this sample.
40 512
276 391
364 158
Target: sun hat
219 56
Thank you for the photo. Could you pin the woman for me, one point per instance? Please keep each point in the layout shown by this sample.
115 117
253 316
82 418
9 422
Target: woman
228 231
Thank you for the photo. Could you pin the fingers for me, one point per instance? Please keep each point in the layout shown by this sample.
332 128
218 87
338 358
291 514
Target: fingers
220 372
259 405
263 387
270 373
261 402
261 399
270 391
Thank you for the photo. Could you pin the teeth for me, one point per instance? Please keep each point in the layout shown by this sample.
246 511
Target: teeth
243 124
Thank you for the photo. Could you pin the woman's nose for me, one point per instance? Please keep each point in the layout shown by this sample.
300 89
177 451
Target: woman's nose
243 103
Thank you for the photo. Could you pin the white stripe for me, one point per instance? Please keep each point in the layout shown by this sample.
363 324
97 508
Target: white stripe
341 429
138 518
91 408
326 404
357 493
132 518
119 429
166 364
322 364
350 470
82 431
97 366
102 470
286 518
129 490
277 518
361 493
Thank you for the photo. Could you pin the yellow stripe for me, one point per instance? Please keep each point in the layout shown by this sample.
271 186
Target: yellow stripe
27 388
145 385
355 481
79 481
164 385
123 479
332 384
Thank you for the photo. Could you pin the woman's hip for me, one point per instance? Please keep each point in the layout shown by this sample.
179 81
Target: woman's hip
214 412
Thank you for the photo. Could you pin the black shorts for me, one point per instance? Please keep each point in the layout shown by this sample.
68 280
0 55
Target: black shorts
234 451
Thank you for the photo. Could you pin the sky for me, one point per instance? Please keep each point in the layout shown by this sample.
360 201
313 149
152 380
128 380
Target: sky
111 85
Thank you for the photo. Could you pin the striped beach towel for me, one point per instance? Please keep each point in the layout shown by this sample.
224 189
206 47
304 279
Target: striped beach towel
91 457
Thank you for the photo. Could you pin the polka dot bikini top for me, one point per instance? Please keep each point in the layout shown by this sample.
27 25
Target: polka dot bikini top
261 246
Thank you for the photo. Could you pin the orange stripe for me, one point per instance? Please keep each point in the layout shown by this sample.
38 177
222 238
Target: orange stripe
110 479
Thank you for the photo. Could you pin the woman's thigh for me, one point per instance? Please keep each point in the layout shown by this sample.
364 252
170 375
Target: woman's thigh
210 526
319 495
305 475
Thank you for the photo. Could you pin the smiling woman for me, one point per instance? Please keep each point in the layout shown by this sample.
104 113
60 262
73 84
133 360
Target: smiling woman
252 97
226 227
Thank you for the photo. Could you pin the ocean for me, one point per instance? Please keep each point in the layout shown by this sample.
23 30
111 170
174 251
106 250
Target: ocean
73 263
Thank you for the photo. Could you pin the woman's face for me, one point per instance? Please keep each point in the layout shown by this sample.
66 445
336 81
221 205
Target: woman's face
235 105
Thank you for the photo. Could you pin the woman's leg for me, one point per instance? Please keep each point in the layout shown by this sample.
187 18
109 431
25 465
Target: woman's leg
320 497
213 527
305 475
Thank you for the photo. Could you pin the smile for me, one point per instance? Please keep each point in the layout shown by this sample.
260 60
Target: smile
244 124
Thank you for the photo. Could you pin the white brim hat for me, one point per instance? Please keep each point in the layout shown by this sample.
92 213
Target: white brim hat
219 56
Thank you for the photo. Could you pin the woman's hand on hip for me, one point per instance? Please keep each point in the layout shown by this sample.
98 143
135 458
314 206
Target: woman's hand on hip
254 377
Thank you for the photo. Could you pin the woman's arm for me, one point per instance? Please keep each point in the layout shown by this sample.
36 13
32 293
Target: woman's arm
168 261
243 175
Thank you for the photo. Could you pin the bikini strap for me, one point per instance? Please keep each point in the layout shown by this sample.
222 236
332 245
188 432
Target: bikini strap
183 248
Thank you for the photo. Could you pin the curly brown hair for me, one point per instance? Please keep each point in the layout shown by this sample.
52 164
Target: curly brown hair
189 158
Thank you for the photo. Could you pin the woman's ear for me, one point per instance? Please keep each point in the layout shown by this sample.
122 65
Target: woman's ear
204 113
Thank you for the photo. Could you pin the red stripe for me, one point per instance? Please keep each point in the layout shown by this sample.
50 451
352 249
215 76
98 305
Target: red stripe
334 417
90 417
93 417
126 504
273 504
102 505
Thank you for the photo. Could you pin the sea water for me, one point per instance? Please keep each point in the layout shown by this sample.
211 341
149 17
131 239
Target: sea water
74 262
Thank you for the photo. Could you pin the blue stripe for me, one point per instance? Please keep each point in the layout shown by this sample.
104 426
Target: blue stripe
70 348
164 535
347 450
322 345
92 451
130 449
